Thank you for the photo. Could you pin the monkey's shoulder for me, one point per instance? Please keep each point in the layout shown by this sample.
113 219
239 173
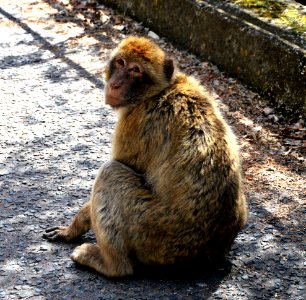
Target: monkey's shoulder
186 101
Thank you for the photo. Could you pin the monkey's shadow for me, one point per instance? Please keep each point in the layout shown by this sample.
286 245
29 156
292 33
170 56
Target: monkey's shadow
195 280
200 269
195 270
198 279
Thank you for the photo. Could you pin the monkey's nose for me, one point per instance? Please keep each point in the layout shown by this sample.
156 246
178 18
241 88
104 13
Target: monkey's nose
115 86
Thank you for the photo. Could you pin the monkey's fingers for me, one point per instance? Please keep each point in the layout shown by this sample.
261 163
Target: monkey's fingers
55 233
52 236
52 228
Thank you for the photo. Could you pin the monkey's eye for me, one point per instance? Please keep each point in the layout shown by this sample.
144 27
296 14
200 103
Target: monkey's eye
120 62
136 69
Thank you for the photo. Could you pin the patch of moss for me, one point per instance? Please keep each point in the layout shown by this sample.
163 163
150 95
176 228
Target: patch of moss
264 8
284 13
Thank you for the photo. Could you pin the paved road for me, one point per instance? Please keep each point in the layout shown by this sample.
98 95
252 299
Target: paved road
55 132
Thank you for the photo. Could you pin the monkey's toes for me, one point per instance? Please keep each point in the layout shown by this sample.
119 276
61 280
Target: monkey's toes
77 254
85 253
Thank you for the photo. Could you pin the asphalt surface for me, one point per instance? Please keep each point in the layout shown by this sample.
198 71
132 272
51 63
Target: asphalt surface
55 132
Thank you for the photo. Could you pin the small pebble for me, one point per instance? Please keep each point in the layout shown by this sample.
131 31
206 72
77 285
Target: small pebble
153 35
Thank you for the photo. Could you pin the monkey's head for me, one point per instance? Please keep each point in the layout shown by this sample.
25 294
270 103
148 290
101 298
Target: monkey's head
138 70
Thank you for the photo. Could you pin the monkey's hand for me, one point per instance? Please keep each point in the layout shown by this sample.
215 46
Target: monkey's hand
58 233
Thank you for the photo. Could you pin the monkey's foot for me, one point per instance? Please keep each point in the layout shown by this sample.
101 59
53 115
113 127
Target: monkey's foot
90 255
58 233
85 253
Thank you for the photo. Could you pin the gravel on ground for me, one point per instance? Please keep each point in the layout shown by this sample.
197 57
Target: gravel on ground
55 132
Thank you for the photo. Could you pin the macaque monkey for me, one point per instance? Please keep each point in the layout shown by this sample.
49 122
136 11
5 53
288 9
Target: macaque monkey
173 189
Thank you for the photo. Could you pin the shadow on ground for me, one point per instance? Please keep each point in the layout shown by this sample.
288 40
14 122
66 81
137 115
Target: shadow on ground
45 180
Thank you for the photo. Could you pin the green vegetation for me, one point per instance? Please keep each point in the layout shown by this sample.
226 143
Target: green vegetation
284 13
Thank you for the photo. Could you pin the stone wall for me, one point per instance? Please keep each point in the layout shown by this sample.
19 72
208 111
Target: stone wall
268 60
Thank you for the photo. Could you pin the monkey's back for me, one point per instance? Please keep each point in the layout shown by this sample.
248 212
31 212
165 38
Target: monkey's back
189 160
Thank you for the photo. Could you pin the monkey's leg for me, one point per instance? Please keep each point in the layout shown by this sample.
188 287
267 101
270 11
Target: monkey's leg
79 225
105 261
114 193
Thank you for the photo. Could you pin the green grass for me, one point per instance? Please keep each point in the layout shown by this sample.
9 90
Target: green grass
287 14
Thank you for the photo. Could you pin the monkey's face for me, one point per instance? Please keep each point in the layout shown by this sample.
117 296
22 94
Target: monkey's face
126 82
138 70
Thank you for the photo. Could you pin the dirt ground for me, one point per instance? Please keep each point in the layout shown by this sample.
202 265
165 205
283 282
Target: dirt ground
55 132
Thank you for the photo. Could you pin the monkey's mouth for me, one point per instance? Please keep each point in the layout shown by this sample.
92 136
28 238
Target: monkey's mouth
114 101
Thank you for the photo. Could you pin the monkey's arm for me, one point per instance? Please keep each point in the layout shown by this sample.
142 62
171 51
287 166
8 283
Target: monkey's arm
79 225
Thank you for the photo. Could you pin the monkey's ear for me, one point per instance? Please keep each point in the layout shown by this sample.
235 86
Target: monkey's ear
108 70
168 68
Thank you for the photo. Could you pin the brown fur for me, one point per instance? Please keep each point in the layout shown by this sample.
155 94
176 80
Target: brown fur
173 189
